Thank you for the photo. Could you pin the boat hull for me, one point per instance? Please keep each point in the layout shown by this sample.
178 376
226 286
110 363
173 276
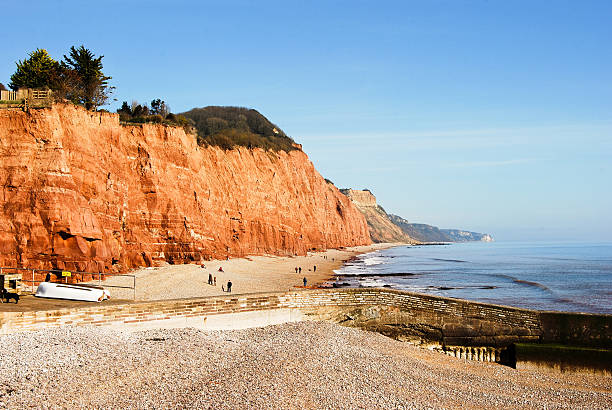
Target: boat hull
72 292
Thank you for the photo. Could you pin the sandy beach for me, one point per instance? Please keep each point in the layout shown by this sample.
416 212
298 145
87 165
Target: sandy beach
248 275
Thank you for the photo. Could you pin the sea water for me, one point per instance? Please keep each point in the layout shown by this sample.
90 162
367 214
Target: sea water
544 276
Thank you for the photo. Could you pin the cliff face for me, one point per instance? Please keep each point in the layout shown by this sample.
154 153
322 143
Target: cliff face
79 191
421 232
457 235
382 229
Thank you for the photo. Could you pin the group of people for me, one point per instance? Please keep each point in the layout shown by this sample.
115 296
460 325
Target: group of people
298 269
212 280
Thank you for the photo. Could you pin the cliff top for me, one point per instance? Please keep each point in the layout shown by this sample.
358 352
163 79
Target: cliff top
228 127
361 197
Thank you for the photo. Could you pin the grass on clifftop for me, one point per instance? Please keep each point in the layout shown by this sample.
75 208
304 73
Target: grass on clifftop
230 127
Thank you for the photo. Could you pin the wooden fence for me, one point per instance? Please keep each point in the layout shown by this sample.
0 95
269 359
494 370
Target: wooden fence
10 96
25 98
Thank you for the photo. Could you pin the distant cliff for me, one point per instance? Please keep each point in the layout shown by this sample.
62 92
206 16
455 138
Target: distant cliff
457 235
381 228
429 233
80 191
385 227
420 232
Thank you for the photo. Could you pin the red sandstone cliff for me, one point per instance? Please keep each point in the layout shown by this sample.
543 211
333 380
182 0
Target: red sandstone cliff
79 191
382 228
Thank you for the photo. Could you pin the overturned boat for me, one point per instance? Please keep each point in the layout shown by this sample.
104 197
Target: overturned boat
88 293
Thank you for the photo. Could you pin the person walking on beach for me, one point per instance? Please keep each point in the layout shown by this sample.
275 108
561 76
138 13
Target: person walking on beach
300 268
305 281
315 268
215 281
296 269
229 286
210 280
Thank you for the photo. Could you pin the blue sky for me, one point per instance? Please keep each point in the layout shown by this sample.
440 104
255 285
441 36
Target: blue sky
485 115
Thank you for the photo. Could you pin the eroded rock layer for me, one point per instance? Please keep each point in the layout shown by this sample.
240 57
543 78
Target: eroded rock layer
81 192
381 228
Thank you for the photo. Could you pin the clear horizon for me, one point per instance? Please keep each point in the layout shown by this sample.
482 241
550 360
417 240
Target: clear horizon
485 116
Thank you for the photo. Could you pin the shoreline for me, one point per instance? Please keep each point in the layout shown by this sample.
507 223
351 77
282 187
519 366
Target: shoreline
330 271
250 274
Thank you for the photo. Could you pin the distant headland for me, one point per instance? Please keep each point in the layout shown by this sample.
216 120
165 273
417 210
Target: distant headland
386 227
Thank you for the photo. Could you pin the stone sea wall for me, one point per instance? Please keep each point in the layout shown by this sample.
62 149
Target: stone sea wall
404 315
79 191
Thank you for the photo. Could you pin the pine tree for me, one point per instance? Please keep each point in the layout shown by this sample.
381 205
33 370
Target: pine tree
38 71
93 84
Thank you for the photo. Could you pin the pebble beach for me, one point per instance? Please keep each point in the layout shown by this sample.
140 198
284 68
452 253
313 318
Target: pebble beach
294 365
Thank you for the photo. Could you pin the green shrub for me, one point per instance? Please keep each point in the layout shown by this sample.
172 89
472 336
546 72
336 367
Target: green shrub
156 118
229 127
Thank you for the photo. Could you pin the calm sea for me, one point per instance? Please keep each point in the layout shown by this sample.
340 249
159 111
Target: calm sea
544 276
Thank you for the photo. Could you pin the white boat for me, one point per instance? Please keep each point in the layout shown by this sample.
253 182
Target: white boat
88 293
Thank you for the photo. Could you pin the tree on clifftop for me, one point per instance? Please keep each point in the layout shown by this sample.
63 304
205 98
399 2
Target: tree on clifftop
159 107
93 89
38 71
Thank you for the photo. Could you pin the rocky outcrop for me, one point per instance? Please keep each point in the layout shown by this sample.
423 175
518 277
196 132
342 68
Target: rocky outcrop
382 229
79 191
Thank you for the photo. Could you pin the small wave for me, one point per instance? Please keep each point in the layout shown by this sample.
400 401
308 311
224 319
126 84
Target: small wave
461 287
523 282
448 260
374 260
530 283
376 275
